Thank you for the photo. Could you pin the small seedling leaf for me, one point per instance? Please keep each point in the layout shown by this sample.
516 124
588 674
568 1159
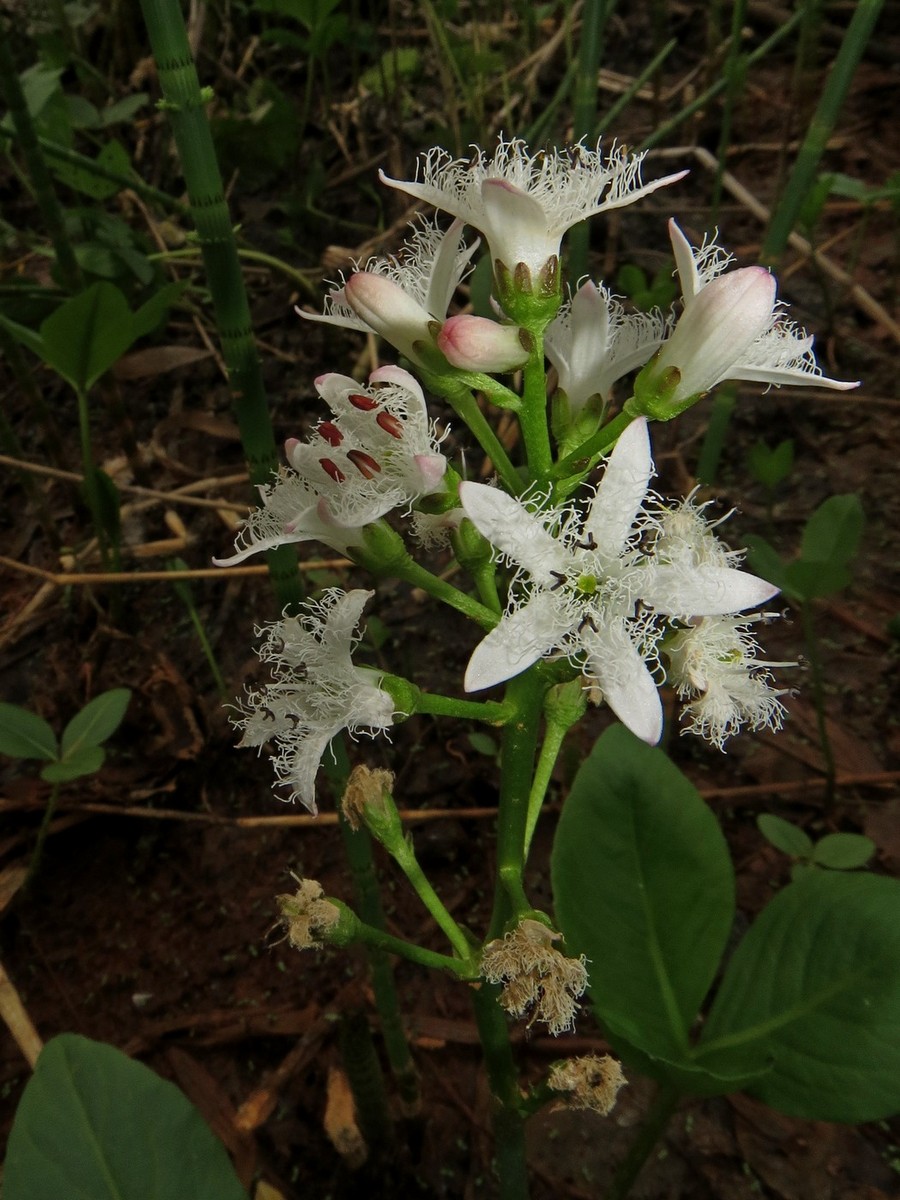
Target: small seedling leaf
24 734
843 851
94 1123
85 761
96 722
784 836
483 743
87 334
833 531
764 560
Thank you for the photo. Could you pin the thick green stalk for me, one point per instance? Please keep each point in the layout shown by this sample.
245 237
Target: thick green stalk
664 1104
602 440
184 101
359 854
525 694
802 178
449 706
42 182
533 417
508 1118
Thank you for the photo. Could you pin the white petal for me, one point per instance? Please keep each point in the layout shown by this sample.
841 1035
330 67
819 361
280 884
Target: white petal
516 225
621 491
300 765
510 527
705 591
688 275
519 640
627 685
446 269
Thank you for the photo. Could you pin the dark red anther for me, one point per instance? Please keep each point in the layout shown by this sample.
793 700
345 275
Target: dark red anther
363 403
390 424
364 463
332 469
330 433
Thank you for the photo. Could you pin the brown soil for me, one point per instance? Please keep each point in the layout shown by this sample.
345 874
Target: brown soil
149 925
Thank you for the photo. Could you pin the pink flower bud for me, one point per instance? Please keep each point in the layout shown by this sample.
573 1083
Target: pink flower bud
388 309
477 344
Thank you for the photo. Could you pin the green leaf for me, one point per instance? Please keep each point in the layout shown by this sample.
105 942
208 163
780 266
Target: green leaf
153 312
645 889
85 761
784 836
100 718
832 533
843 851
94 1125
770 466
24 734
87 334
26 336
113 156
763 559
483 743
124 109
809 580
816 984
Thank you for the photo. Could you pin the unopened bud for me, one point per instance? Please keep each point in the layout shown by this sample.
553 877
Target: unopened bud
478 344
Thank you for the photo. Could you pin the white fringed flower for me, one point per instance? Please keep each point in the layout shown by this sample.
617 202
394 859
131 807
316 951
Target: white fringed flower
731 328
399 297
522 202
593 342
315 692
378 453
713 664
598 588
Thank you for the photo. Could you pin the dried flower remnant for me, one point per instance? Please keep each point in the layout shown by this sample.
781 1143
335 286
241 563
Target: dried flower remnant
535 976
307 916
590 1081
366 788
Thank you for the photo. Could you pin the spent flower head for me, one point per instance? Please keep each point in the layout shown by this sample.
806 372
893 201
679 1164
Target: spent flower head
316 690
591 1081
307 915
535 976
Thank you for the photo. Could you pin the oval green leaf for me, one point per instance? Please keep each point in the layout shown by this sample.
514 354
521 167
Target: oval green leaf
784 836
644 887
87 334
24 734
95 1125
99 718
87 760
816 985
843 851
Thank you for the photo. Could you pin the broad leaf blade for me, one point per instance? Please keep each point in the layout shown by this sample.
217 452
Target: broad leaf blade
99 718
24 734
87 760
95 1125
833 531
87 334
816 984
784 836
843 851
644 887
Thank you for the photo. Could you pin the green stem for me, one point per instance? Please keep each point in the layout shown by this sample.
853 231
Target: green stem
533 417
592 447
358 848
818 681
449 706
185 104
370 936
525 694
42 834
554 736
419 576
664 1104
406 860
360 857
44 193
466 408
91 488
509 1121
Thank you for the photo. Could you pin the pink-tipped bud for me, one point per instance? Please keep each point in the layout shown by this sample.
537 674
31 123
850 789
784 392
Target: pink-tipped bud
388 309
477 344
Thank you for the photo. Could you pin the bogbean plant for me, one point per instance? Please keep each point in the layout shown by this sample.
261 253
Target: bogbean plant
586 588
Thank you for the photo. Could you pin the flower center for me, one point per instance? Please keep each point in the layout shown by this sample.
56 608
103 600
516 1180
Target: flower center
586 584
